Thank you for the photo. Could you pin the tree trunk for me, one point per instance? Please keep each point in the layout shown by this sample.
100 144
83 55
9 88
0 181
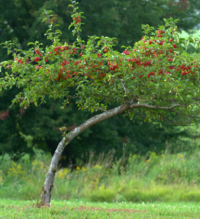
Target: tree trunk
48 184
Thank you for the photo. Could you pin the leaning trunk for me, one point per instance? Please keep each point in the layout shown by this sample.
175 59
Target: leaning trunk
48 184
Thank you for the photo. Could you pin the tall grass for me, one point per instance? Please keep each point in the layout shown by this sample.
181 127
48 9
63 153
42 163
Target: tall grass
165 177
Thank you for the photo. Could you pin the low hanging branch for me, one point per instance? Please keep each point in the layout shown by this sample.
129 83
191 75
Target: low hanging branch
156 76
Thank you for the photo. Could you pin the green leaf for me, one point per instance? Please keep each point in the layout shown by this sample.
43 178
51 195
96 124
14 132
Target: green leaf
49 12
44 19
30 43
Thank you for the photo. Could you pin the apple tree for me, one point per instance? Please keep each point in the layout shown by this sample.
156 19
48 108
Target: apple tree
153 79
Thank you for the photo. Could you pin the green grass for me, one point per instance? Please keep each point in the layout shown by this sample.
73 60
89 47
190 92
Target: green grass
158 178
79 209
157 186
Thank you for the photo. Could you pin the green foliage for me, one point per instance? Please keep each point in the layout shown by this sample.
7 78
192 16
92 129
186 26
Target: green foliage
97 89
12 141
125 18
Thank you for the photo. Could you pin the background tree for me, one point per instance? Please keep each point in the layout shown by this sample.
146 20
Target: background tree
125 18
38 127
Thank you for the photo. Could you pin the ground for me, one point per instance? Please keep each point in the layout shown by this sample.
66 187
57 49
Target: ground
10 208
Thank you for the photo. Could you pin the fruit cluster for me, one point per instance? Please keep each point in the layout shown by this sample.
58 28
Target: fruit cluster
77 19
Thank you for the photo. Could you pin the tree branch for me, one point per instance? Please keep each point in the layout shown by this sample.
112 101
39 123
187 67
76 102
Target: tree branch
124 91
158 107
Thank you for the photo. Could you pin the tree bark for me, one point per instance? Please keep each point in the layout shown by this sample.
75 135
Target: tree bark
48 184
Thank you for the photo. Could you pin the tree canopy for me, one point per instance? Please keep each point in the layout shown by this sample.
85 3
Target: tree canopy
157 74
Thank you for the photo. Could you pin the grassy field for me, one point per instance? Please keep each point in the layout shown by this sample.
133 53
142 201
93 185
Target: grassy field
158 178
154 186
81 210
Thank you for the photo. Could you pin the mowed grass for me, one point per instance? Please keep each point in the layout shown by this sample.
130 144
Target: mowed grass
80 209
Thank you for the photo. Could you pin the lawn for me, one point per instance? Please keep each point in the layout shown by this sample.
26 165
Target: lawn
164 186
10 208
